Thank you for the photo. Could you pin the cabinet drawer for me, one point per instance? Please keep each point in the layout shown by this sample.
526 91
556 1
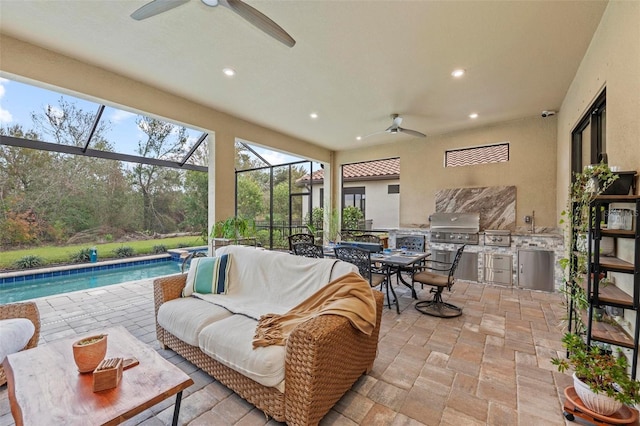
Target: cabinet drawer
501 276
498 261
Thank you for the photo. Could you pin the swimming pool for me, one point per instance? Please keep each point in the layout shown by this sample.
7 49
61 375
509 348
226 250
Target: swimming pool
41 287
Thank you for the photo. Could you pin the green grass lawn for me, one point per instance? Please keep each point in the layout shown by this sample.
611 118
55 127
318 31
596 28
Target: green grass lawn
61 255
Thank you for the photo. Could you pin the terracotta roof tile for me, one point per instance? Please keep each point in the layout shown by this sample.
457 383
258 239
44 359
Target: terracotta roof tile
369 169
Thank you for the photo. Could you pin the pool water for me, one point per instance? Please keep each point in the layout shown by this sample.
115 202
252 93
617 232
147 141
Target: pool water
14 292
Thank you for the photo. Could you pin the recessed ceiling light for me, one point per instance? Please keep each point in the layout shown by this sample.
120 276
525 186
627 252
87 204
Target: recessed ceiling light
229 72
358 138
313 115
474 115
458 73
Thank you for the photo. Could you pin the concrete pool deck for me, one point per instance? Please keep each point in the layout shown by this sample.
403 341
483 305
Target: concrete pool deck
489 366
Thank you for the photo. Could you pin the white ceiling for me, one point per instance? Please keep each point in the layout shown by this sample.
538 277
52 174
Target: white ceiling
355 62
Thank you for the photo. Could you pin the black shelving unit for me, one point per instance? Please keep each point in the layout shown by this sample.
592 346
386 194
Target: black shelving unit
610 295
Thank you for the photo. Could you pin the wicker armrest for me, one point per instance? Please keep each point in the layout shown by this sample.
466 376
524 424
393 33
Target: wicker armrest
324 357
165 289
168 288
27 310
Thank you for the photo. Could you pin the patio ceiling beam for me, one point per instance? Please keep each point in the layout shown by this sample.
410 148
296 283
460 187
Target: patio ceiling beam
76 150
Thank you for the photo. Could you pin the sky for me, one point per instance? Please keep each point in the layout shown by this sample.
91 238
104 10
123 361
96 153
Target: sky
19 100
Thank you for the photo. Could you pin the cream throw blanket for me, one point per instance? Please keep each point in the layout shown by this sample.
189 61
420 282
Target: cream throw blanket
349 296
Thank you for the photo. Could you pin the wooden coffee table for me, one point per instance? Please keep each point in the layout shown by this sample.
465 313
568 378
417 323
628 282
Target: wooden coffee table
45 386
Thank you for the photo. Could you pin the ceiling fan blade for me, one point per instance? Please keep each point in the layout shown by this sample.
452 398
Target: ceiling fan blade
412 132
259 20
155 7
372 134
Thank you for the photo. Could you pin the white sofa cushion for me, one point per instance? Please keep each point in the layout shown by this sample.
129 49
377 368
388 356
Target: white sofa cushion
15 333
262 282
187 316
229 341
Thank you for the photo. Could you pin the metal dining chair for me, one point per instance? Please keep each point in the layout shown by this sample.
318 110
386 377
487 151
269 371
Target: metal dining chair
439 275
300 238
362 259
415 243
366 238
308 250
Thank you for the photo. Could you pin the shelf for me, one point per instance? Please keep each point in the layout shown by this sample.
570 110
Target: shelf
610 294
614 264
612 334
618 233
619 198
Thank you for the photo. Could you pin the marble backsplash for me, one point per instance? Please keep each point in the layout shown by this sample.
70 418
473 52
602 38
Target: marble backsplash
496 204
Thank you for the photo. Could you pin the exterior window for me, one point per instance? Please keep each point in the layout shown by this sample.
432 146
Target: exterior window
393 189
498 153
354 197
321 197
588 138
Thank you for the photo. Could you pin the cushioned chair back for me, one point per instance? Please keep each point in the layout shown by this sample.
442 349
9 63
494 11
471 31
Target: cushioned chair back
300 238
412 243
308 250
357 256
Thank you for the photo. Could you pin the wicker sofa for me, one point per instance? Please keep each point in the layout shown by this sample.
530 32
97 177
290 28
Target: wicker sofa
324 356
28 310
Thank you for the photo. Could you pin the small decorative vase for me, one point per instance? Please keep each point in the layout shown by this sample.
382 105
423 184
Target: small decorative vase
89 352
596 402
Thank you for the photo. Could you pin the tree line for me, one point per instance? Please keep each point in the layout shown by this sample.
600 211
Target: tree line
50 197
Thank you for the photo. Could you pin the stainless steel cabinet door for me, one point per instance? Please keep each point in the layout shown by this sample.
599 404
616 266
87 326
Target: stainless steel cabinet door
535 269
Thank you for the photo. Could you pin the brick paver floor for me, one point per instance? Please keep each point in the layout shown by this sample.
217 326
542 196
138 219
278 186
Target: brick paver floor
489 366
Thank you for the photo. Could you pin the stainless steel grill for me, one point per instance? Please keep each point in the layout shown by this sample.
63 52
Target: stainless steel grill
455 228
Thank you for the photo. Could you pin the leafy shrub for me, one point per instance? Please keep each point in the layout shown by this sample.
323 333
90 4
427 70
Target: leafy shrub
108 237
124 251
159 249
30 261
84 255
350 217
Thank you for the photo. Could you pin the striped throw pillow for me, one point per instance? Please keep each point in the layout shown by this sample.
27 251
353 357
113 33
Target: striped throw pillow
208 275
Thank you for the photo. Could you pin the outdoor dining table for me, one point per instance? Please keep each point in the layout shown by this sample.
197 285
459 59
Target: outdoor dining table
393 261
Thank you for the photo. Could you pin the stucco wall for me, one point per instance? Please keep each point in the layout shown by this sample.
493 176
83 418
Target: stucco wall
612 60
531 168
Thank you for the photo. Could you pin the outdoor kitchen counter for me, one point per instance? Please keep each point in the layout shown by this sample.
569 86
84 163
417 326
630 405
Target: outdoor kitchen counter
520 239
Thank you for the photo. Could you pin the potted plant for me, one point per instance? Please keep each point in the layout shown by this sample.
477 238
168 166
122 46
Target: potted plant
600 376
334 226
232 230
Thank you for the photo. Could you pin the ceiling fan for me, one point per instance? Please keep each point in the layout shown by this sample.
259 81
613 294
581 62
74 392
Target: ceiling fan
395 128
255 17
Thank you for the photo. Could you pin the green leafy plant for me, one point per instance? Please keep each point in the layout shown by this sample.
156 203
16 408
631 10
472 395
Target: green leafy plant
600 369
124 251
334 225
585 187
233 227
159 249
29 261
351 217
81 256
